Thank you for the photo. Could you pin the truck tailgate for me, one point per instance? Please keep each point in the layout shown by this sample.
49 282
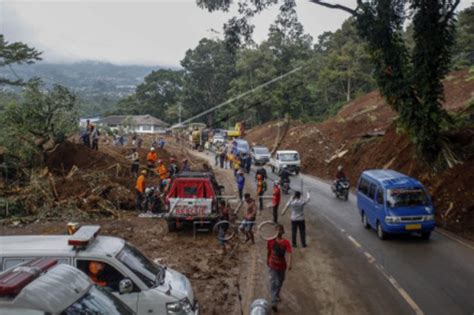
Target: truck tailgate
186 207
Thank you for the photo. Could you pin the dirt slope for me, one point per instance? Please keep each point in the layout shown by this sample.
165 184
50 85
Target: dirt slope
363 136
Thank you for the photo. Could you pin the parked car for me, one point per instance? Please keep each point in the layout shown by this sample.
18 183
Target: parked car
260 155
192 197
144 286
394 203
42 287
289 158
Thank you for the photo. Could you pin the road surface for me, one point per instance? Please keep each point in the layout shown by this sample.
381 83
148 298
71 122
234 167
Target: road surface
433 277
402 275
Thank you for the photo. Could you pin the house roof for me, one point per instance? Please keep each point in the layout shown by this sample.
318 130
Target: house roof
134 119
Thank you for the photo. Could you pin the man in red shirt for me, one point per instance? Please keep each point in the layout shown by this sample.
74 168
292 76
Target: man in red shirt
276 197
278 251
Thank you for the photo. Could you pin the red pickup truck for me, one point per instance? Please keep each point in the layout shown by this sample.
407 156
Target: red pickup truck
193 196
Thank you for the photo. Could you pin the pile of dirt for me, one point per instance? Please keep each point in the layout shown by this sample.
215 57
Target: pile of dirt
363 136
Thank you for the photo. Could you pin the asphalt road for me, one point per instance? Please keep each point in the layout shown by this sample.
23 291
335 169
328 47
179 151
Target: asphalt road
432 277
401 275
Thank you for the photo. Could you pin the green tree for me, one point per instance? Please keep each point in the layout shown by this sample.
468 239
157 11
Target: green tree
208 71
38 122
463 52
15 53
411 83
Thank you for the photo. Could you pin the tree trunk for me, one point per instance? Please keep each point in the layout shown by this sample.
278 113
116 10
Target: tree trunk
348 98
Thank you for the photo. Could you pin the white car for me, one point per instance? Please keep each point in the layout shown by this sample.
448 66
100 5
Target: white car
289 158
146 287
260 155
41 287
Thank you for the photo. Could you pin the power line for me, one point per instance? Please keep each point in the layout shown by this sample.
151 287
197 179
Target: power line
238 97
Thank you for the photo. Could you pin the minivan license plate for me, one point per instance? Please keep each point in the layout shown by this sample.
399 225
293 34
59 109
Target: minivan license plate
413 227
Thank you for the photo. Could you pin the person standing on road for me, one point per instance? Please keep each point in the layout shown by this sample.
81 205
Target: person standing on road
140 190
261 188
249 218
173 168
222 156
185 166
276 197
240 184
224 215
297 218
278 251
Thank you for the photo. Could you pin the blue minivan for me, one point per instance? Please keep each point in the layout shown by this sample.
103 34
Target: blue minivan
394 203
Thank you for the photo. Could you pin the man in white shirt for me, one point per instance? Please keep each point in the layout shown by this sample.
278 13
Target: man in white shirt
297 218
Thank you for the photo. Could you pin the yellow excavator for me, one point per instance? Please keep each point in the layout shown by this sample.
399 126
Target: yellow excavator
238 131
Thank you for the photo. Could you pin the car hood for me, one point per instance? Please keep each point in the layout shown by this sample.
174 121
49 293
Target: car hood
263 155
180 285
411 211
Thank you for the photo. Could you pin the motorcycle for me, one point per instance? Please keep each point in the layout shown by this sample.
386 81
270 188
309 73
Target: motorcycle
285 186
341 190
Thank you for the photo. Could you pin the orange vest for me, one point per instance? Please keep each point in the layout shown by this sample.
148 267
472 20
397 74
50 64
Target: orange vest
151 157
162 171
140 186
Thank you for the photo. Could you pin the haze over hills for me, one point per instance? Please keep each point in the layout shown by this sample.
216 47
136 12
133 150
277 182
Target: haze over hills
98 84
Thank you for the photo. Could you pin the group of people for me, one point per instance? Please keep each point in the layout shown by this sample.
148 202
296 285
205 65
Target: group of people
90 136
148 197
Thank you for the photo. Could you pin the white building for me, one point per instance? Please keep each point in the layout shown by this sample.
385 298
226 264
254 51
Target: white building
92 120
134 123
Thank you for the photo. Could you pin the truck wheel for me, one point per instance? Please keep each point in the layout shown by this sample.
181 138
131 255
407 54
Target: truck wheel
380 232
425 235
171 226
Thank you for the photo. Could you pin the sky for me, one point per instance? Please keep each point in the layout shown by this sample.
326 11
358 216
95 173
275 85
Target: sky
146 32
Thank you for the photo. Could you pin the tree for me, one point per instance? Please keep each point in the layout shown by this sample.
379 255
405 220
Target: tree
15 53
208 70
38 122
463 52
410 83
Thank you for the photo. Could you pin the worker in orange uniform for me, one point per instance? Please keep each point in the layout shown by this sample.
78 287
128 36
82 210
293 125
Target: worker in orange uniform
151 159
162 172
95 273
140 190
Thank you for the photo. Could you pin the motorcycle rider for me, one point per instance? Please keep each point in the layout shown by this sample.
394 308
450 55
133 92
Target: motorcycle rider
284 177
340 176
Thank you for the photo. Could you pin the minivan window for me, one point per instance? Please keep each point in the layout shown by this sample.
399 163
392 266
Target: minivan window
149 272
364 186
100 302
406 197
371 194
379 197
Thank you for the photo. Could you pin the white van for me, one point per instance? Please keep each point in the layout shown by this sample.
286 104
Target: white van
146 287
286 158
40 287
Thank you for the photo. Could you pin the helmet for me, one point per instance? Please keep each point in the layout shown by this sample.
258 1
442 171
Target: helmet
148 190
340 168
144 172
152 149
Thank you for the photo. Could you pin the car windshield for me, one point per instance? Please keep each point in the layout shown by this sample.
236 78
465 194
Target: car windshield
149 272
409 197
100 302
261 151
288 157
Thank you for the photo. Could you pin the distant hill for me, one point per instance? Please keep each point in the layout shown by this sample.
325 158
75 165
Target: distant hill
99 84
